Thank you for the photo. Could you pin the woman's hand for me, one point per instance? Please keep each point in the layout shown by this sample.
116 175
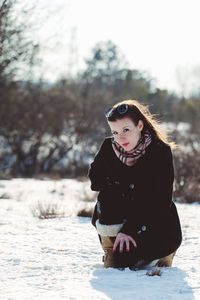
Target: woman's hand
122 238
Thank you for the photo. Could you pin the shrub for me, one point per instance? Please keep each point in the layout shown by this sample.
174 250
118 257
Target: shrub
186 163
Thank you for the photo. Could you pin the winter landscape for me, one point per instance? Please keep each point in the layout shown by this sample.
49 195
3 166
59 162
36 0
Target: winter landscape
61 66
60 258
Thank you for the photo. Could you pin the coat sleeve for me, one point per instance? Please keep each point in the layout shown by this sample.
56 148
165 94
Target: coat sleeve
154 196
98 173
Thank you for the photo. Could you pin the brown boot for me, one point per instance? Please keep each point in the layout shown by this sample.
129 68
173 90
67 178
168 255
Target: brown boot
108 234
166 261
107 246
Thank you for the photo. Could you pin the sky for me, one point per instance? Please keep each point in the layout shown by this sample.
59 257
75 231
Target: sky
160 38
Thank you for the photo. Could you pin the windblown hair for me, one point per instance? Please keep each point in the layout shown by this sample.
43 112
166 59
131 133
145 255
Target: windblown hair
136 112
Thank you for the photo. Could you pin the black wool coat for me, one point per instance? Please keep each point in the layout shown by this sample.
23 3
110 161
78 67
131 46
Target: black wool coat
140 196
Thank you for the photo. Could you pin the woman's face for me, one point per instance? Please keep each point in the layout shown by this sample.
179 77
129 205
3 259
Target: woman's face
126 133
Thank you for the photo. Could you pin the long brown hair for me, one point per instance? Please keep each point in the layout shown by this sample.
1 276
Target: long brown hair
136 112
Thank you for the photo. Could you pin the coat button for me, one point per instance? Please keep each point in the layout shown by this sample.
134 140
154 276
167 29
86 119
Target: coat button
131 186
144 228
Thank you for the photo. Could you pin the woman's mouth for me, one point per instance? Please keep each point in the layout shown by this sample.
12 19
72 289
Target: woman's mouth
125 144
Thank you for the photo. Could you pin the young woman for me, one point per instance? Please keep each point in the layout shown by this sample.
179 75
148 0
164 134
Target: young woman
135 216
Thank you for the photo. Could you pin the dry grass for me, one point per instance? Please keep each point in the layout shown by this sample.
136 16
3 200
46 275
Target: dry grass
47 211
4 196
85 212
87 195
82 178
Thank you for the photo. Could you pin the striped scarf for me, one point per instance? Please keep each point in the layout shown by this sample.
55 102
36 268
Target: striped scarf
130 158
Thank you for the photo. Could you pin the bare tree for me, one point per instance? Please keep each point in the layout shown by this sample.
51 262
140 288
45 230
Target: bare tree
16 50
188 80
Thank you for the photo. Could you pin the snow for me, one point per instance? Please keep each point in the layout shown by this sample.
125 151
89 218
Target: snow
60 258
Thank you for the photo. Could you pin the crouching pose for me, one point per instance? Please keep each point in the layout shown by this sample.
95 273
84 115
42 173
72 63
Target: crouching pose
135 217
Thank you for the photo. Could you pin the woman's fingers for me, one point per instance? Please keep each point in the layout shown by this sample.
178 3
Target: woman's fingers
121 239
127 245
133 241
121 245
129 239
117 241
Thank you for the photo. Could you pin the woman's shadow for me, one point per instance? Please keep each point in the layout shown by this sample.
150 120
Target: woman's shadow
129 285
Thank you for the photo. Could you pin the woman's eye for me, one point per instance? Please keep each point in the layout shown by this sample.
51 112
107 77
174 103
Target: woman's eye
126 130
114 133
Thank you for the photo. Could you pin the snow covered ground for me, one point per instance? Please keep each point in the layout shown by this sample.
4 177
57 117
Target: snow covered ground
60 258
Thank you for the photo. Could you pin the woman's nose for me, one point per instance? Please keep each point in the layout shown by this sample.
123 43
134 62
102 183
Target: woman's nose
121 136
